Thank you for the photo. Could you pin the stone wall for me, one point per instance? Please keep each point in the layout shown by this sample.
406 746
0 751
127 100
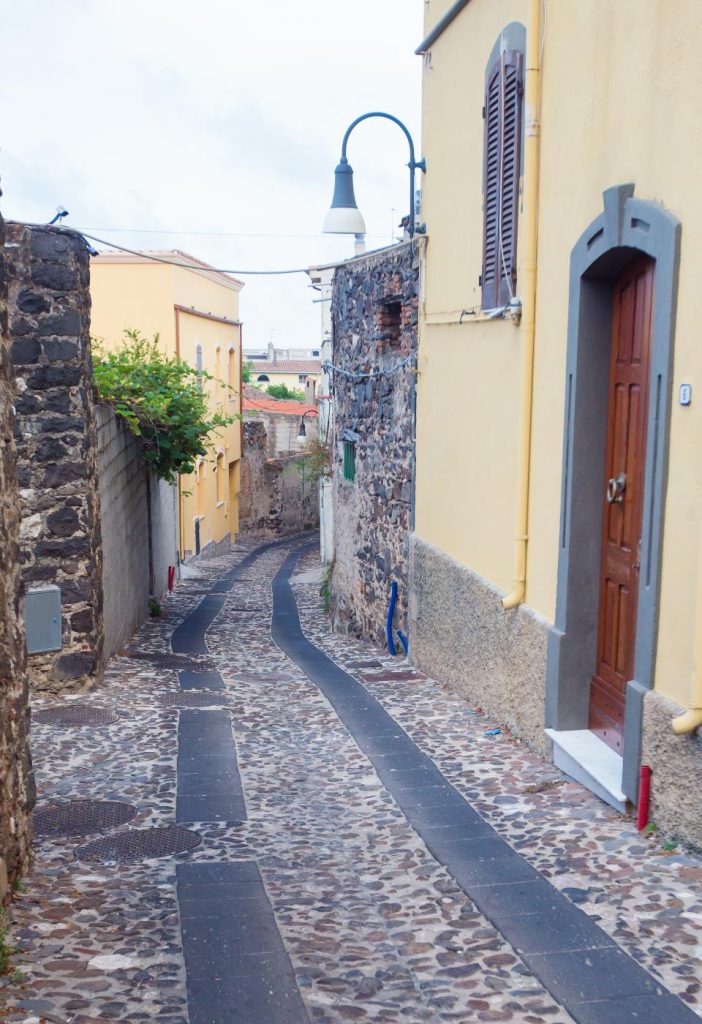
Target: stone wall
374 318
16 779
49 309
139 543
275 499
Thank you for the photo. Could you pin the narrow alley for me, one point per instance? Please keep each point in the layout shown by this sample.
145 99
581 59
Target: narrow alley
257 821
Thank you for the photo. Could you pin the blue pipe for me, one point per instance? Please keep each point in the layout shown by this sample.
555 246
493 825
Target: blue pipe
391 613
404 641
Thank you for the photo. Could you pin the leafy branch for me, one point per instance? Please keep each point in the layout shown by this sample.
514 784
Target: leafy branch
162 401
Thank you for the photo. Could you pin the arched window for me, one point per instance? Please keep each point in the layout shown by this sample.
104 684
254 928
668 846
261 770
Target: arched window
502 166
220 478
263 379
200 478
231 375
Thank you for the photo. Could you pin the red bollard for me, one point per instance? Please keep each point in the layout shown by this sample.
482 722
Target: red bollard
644 796
171 576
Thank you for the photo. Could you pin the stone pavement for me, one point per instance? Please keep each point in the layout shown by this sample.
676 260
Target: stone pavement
306 894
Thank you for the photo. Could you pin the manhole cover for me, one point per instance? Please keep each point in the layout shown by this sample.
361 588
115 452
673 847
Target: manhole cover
81 817
74 715
191 698
137 844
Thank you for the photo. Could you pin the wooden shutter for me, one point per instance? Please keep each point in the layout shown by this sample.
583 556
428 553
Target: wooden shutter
501 172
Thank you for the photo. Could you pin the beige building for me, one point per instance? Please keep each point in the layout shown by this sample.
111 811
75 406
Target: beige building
557 552
195 310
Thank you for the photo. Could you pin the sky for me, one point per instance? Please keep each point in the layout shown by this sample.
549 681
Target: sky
213 127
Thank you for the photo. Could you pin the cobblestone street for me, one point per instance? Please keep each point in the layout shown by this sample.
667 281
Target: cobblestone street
328 870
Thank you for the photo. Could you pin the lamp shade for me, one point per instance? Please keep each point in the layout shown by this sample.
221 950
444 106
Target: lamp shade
344 217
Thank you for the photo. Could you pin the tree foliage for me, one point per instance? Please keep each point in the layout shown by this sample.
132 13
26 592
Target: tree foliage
247 369
162 400
283 391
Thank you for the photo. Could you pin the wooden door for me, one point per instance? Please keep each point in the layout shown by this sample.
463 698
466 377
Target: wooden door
622 500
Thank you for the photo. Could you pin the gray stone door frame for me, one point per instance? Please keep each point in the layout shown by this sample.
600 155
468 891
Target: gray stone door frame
626 228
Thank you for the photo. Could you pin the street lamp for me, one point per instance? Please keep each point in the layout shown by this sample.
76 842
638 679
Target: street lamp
344 217
302 430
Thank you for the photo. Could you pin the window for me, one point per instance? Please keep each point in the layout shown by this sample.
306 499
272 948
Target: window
231 374
262 378
501 171
218 375
220 478
301 378
389 321
315 353
198 364
349 460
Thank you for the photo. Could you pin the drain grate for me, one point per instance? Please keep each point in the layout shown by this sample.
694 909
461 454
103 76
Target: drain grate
81 817
133 845
74 716
192 699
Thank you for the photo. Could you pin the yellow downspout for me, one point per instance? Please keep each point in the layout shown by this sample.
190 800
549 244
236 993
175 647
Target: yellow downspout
527 281
692 719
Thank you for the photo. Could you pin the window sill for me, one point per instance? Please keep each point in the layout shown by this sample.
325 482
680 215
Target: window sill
219 504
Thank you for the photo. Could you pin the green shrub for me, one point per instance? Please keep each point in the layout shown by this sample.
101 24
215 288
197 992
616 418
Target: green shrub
283 391
162 401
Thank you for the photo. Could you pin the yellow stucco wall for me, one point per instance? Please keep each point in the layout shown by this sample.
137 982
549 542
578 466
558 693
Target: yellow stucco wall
144 296
289 379
621 89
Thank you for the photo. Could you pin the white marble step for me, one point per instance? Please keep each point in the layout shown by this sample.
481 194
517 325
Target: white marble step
585 758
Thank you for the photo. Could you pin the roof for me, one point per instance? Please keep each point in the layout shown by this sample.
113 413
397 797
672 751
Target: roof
289 408
288 366
176 257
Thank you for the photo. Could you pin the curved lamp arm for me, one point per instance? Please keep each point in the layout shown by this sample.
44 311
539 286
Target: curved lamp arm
413 164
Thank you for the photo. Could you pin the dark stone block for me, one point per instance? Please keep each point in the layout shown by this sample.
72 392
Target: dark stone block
27 404
58 401
62 424
60 350
64 548
72 666
83 622
32 302
25 350
50 244
53 276
68 323
592 974
50 451
560 928
75 591
635 1010
52 376
63 522
64 473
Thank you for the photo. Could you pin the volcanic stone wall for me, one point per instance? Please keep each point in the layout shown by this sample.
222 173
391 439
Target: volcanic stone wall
275 499
49 305
374 317
16 780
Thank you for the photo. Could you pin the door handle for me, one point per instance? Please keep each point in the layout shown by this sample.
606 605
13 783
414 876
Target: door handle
616 485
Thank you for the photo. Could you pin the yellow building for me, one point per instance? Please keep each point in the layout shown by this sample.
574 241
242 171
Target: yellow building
556 557
195 310
297 374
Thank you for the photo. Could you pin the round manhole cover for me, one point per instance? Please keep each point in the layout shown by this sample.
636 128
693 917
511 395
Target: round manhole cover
137 844
192 699
74 715
81 817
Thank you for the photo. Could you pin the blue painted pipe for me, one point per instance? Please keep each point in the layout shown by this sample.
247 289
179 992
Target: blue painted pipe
404 641
391 613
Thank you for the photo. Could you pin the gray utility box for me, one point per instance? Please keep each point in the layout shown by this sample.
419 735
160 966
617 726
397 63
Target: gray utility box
42 619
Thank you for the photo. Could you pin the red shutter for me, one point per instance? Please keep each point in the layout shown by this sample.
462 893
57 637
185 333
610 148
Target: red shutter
502 156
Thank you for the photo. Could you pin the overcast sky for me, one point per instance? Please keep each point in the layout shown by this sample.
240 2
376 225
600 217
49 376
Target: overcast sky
217 116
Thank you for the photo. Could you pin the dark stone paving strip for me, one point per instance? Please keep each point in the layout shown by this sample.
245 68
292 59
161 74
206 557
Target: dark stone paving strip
578 962
208 680
237 968
189 636
225 583
208 781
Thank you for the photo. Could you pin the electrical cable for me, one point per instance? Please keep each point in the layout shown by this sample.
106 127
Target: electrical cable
214 234
360 375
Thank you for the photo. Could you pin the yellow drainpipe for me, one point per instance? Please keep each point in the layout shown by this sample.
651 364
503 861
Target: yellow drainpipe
527 281
692 719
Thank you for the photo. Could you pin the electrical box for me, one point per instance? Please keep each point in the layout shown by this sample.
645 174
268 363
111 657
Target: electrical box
42 619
